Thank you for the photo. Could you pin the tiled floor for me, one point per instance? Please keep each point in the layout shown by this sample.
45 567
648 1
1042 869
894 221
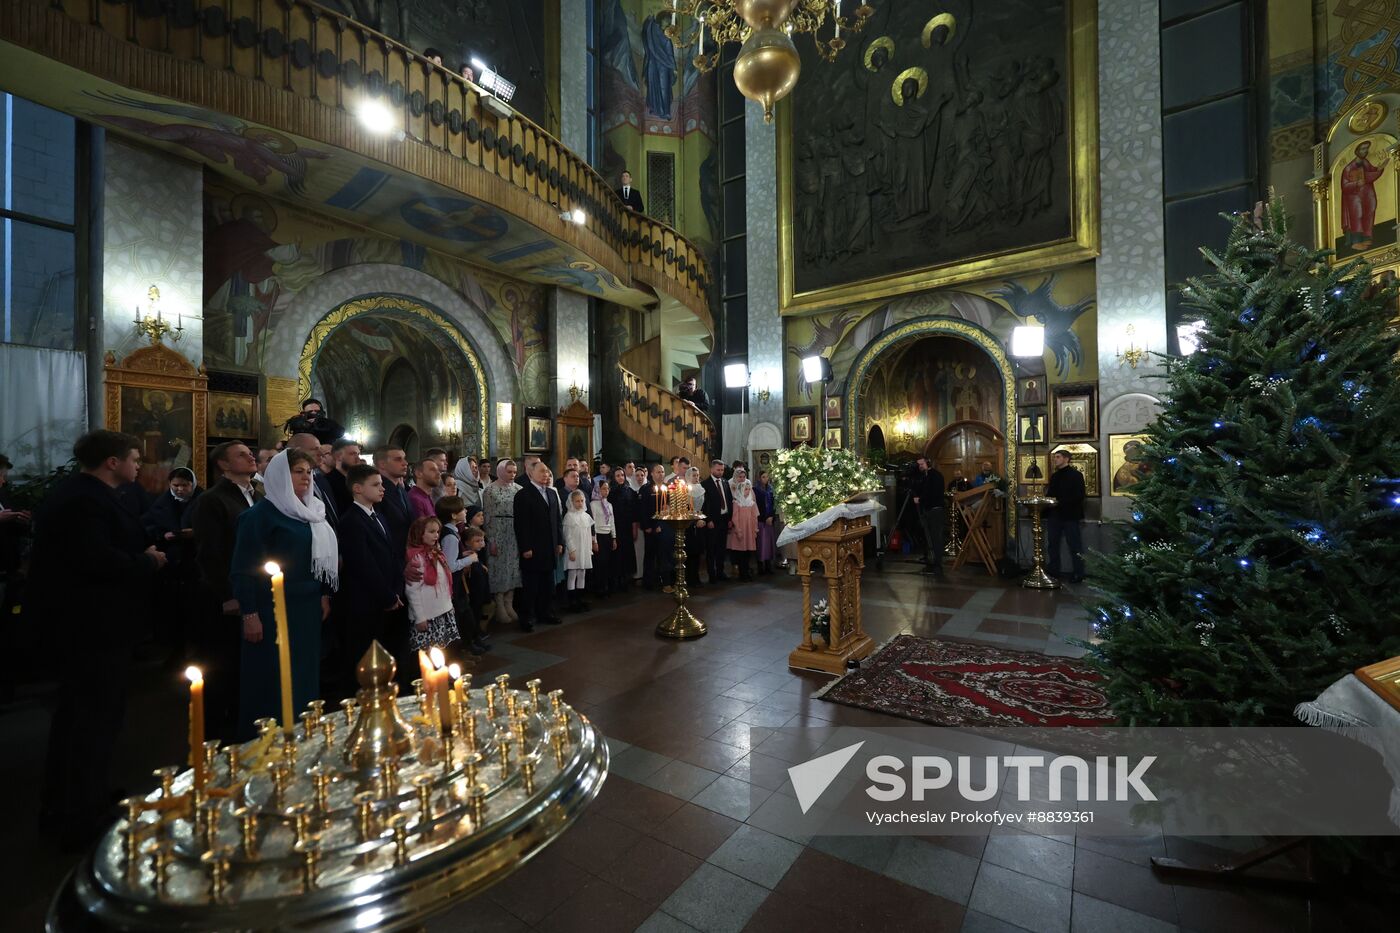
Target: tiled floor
686 833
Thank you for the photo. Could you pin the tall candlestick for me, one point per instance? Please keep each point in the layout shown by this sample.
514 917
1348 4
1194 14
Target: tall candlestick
443 688
196 678
284 644
429 686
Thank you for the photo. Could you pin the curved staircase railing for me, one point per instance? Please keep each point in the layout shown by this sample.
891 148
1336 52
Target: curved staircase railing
305 66
661 421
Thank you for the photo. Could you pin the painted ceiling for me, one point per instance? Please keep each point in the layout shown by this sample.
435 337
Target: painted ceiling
335 181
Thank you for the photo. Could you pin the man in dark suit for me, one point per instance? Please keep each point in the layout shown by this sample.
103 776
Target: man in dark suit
1066 487
539 535
631 197
929 489
345 454
218 639
371 581
392 464
719 507
91 570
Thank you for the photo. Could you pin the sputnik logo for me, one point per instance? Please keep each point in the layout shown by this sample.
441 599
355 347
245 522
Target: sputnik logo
811 778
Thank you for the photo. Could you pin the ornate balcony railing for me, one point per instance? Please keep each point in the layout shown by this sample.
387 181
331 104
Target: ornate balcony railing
306 54
661 421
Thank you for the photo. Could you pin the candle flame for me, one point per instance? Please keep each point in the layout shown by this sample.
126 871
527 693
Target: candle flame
272 568
436 656
455 671
194 674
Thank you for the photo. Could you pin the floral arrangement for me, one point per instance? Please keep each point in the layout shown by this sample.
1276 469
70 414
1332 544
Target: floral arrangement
821 621
810 480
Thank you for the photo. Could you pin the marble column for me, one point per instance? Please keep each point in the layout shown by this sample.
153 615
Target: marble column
762 426
568 345
1131 268
573 76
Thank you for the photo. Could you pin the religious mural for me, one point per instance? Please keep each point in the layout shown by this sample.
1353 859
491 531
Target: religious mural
259 253
655 100
1060 301
933 139
921 387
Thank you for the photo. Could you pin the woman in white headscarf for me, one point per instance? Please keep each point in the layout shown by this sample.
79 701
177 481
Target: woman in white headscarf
743 527
287 526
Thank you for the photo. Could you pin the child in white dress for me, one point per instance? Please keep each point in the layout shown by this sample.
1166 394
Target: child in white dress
579 547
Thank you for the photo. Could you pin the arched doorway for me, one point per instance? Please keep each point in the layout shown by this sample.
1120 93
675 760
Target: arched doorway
406 439
395 371
959 450
940 386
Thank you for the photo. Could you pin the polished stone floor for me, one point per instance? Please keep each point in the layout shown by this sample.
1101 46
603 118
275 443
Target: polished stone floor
686 833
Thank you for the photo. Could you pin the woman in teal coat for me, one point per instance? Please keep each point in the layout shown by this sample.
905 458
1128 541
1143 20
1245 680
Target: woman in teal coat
287 526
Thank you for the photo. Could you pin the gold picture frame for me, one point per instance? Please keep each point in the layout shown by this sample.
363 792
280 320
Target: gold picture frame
832 409
1034 419
1024 460
537 431
1075 411
1082 135
161 398
1124 471
1031 391
233 415
833 437
800 427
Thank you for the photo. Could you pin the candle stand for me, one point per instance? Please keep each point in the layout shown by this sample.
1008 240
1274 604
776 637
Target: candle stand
678 511
1038 579
376 818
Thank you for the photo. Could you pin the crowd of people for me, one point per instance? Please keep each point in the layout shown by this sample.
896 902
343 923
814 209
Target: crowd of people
412 554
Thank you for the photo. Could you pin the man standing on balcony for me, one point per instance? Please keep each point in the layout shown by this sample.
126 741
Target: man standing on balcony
693 394
631 197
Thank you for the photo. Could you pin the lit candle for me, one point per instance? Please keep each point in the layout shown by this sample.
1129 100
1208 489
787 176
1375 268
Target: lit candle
284 644
702 37
456 671
443 689
429 683
196 678
138 314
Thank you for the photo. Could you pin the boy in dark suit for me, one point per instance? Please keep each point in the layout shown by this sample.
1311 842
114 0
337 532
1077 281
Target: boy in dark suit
631 197
371 573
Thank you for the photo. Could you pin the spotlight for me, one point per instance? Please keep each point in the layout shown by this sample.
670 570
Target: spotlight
816 369
376 116
736 376
578 216
1027 340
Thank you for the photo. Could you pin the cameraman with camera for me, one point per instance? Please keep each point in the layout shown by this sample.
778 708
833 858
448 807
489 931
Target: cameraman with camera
313 420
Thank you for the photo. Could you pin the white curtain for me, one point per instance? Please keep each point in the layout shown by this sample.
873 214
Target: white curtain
43 406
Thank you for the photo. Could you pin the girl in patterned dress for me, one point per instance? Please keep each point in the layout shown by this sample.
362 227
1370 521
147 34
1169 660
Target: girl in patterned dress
432 620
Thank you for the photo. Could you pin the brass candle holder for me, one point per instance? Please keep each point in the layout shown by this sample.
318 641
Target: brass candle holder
374 826
678 512
1038 579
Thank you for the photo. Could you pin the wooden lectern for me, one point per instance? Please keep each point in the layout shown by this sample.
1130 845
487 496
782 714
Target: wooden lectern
975 511
840 550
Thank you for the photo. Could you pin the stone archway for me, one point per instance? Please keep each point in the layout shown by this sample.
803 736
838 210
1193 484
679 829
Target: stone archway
466 318
907 332
395 306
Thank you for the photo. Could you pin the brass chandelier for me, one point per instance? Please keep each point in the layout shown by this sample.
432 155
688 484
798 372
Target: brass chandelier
767 67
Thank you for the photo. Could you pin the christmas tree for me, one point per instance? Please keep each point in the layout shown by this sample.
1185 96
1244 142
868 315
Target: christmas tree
1260 564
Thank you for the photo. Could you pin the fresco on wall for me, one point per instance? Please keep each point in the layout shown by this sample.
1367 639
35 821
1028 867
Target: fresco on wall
1060 301
931 141
654 99
259 253
926 385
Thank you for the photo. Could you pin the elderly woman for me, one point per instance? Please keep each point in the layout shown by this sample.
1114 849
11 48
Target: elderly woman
287 526
498 502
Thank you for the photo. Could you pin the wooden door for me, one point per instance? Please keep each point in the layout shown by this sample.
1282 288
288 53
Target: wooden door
958 451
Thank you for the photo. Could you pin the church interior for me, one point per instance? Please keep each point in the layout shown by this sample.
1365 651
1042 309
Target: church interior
508 466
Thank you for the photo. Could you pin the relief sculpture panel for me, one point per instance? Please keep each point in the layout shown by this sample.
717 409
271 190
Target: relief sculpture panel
941 135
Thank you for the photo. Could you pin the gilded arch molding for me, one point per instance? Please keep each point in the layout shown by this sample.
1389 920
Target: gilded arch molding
397 304
862 368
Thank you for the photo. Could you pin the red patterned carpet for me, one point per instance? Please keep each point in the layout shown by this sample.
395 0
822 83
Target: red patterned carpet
946 683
